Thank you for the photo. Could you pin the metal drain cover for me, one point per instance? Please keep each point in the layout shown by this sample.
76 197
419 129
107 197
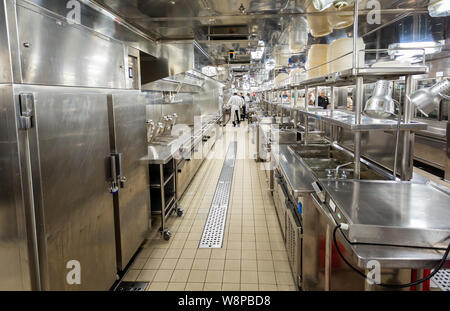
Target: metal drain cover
215 224
442 280
132 287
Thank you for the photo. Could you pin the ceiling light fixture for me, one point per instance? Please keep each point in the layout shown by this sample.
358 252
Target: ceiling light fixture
439 8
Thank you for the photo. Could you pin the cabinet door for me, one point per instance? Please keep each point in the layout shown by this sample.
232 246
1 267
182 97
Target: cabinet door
132 206
69 149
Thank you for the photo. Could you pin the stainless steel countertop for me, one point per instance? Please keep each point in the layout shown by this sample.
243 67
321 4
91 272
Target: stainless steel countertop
162 153
436 129
298 177
396 257
396 213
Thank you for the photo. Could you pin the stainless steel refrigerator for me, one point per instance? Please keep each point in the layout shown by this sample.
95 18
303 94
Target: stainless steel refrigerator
66 114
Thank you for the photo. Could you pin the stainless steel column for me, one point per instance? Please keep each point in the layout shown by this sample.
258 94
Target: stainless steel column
355 37
408 136
317 97
306 116
358 110
359 94
332 100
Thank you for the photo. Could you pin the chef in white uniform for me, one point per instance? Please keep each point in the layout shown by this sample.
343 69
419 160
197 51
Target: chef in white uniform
235 103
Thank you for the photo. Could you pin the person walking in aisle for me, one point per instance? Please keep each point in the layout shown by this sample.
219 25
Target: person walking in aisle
246 106
235 103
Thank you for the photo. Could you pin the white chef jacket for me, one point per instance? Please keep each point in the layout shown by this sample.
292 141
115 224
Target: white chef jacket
235 103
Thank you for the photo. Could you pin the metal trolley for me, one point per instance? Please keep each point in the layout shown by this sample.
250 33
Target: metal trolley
163 193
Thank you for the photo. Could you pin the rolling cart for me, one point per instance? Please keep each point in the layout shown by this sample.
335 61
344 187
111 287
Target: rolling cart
163 193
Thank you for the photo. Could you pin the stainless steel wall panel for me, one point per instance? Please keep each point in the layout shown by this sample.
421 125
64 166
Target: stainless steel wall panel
56 53
377 146
69 146
186 110
153 104
5 64
207 101
132 206
101 21
15 272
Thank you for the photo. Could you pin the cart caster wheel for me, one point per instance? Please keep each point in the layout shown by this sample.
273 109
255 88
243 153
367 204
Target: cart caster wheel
180 212
167 235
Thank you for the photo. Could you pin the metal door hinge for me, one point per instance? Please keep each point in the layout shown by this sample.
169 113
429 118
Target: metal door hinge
26 110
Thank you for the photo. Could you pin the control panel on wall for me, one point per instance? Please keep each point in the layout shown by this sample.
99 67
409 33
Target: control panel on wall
132 75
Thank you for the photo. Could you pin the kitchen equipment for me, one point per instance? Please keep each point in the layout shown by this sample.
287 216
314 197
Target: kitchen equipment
322 5
381 105
281 79
281 55
131 201
316 62
319 25
341 47
298 34
297 75
339 21
294 242
428 99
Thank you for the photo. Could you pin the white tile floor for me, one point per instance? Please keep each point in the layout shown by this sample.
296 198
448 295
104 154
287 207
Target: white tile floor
253 256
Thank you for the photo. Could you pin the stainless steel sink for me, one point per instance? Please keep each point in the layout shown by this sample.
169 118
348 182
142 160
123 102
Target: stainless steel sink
328 162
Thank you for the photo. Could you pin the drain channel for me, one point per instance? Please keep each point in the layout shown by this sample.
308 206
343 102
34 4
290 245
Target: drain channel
212 236
442 280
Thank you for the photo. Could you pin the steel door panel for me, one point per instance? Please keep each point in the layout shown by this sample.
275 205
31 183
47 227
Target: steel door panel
5 64
133 208
69 145
15 262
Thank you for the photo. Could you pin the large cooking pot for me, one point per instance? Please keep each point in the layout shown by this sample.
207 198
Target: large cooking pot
341 47
317 55
319 25
339 21
298 34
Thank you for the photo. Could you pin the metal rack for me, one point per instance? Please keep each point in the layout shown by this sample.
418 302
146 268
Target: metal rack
356 122
163 193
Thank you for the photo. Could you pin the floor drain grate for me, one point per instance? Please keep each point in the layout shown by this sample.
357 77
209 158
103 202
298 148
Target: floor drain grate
442 280
215 224
132 287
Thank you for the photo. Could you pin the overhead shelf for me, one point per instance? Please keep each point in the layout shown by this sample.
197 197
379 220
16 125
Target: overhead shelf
348 77
347 120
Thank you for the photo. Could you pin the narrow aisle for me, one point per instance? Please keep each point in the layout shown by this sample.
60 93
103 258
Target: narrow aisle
253 256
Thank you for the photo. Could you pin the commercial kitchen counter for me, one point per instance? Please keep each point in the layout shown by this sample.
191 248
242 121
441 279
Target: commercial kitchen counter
163 152
298 177
396 213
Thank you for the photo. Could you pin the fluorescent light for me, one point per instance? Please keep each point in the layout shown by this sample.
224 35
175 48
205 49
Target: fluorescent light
439 8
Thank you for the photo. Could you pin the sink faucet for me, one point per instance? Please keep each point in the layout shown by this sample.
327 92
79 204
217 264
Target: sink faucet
336 171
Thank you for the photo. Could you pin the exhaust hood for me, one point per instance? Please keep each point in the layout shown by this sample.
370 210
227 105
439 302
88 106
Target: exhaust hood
179 60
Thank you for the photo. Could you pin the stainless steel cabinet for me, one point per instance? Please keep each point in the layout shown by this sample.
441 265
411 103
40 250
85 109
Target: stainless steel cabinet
128 146
280 199
68 168
294 244
184 175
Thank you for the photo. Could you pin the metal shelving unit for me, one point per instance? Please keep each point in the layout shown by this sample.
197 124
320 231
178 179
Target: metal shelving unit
357 122
163 193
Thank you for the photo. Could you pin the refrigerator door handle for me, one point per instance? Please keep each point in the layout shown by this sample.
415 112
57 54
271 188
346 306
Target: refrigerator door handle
121 178
113 174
